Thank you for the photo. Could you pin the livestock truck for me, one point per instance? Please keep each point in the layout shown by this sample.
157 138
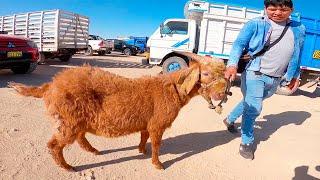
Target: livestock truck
209 29
57 33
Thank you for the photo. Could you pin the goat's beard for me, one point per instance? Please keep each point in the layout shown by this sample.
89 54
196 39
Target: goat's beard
217 97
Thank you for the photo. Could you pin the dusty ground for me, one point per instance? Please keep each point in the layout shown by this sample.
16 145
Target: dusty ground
196 147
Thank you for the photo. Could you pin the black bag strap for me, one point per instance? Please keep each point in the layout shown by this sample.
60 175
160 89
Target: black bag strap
268 46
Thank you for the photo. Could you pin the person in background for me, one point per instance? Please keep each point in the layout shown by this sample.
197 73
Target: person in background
264 72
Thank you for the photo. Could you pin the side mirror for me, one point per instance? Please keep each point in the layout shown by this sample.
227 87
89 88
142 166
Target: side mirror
161 30
164 29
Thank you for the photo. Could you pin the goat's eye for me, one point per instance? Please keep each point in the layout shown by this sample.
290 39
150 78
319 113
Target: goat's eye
205 74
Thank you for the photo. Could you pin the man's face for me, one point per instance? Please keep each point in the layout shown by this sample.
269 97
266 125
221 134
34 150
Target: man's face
278 13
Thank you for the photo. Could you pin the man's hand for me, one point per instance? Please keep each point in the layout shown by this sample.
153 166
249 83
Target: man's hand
289 84
292 83
231 73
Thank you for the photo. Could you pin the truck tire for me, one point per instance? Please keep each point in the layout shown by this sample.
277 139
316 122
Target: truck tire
25 69
127 52
285 91
65 58
174 63
42 58
145 62
89 51
101 53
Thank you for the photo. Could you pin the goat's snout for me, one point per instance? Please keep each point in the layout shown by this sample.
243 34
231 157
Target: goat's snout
217 96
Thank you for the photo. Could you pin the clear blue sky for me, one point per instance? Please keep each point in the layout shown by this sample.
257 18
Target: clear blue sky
112 18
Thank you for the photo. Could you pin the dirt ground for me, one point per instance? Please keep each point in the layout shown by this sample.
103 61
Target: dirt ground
197 146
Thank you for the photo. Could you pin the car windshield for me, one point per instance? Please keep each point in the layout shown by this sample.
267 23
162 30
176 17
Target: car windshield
99 38
175 27
125 43
94 37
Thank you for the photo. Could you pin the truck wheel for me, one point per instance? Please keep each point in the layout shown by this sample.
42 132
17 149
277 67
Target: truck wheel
101 53
145 62
25 69
42 58
65 58
89 51
127 52
286 91
108 52
173 64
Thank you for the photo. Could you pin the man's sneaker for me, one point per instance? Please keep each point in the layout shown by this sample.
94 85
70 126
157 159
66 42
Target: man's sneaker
246 151
230 126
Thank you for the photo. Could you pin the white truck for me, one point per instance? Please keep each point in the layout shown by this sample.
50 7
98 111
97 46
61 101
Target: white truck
99 45
209 29
57 33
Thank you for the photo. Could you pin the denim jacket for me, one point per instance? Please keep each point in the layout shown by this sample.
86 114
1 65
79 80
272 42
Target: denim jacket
253 37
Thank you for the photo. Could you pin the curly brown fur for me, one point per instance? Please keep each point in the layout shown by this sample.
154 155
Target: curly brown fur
87 99
30 90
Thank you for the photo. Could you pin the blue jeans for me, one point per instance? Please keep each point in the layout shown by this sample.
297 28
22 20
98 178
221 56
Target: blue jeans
255 88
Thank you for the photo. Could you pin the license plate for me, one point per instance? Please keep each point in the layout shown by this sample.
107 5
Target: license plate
316 54
14 54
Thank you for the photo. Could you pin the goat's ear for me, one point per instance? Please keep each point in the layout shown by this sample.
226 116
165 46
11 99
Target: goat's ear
193 63
188 80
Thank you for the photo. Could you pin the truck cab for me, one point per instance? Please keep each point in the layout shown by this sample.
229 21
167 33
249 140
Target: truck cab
177 35
172 35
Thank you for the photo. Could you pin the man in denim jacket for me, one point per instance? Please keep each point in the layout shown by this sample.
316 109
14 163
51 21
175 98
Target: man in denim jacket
263 73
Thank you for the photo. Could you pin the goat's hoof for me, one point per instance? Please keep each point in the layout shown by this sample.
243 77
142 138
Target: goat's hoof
218 109
211 106
69 168
97 152
143 151
158 166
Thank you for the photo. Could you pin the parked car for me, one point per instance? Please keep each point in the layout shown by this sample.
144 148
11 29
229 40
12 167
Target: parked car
97 44
125 48
18 54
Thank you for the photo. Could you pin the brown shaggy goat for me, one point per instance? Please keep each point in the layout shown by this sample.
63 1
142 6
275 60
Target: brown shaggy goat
88 99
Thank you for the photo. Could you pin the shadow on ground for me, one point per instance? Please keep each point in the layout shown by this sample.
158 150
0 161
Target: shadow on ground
109 63
42 74
301 173
314 94
100 61
187 145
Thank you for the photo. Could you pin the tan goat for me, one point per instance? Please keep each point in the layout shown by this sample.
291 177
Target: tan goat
88 99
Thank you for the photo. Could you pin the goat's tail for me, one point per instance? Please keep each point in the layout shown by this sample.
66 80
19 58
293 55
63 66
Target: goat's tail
30 90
